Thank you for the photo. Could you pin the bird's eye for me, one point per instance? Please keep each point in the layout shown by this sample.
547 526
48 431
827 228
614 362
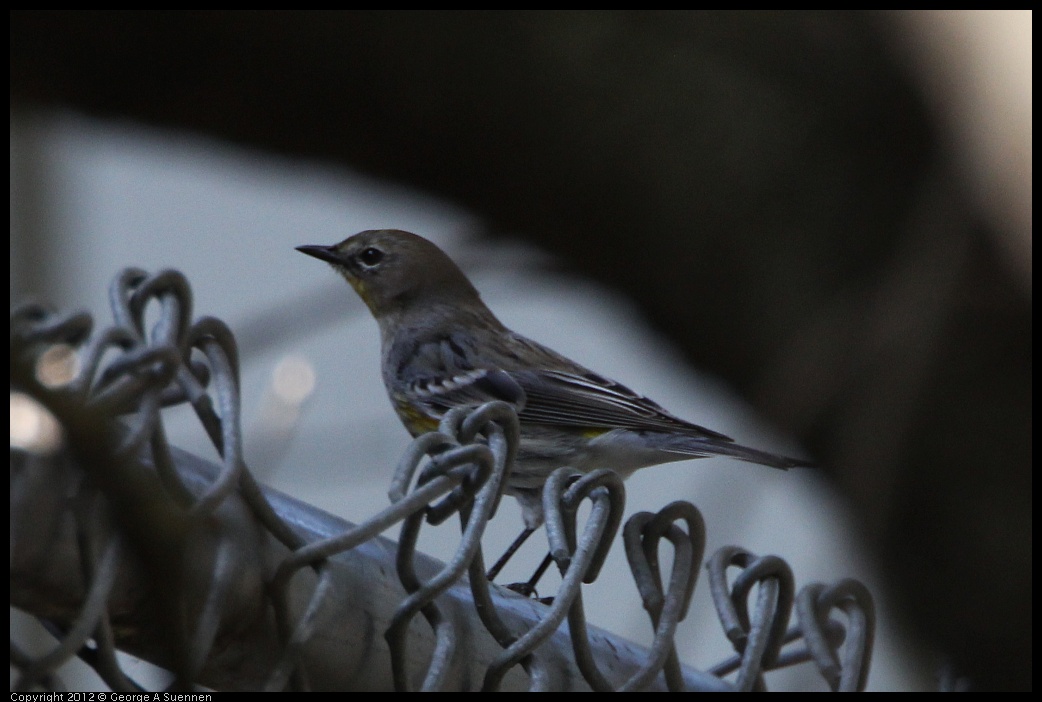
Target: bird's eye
371 256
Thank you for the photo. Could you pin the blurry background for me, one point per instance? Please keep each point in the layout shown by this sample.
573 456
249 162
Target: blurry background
828 214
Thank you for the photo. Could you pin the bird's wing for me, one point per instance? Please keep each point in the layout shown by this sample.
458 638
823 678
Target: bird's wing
544 386
585 399
437 394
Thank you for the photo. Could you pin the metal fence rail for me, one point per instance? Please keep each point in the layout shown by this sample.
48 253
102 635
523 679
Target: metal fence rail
120 541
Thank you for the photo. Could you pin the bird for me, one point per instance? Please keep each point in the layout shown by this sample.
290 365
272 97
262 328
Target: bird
442 347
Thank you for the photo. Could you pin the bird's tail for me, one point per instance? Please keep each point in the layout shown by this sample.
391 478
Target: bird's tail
705 448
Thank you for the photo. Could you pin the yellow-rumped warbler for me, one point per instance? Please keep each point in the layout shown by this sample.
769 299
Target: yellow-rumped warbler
443 348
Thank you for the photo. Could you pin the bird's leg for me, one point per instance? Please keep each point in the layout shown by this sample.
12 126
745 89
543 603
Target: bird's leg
528 589
511 550
532 509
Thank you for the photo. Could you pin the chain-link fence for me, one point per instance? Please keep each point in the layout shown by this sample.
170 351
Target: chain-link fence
122 542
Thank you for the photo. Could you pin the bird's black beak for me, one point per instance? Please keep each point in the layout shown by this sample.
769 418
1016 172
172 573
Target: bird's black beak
324 253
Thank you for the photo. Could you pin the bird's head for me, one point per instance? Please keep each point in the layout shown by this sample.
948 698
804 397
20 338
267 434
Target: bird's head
392 270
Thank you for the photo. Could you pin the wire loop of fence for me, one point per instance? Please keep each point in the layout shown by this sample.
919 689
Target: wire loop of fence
642 534
574 557
844 663
200 569
756 635
473 468
76 636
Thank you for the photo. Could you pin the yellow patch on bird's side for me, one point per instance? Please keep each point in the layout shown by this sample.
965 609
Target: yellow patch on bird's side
594 433
415 421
